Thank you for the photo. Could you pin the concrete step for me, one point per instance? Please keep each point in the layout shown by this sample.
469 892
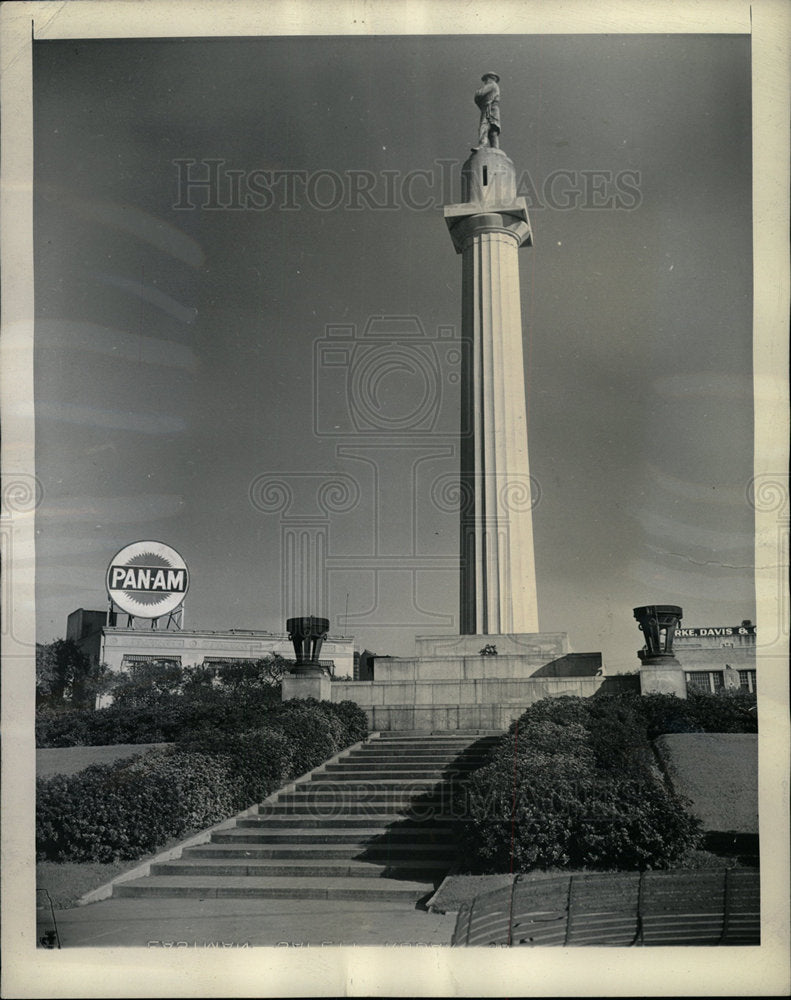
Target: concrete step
306 835
354 783
450 739
413 760
419 750
369 778
362 851
272 887
398 754
374 824
378 808
401 766
380 804
454 741
384 823
362 792
452 736
398 868
425 744
400 761
397 769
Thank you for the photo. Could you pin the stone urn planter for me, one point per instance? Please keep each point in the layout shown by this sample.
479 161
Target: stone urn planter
307 634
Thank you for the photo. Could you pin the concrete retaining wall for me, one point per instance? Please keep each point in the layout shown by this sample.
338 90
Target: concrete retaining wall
488 703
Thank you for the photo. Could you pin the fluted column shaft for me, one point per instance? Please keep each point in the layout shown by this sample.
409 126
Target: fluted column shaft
498 579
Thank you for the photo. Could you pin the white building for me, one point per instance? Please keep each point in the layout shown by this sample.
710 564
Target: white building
122 646
718 656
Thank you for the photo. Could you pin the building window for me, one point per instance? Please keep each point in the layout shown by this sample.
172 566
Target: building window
708 681
139 661
218 661
747 681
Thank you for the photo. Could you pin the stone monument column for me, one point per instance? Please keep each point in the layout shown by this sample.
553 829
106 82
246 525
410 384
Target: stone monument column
498 579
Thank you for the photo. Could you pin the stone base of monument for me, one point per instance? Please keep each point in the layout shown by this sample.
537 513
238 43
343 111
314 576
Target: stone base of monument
307 685
450 685
666 677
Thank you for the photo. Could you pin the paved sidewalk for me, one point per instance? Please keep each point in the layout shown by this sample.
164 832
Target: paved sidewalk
200 923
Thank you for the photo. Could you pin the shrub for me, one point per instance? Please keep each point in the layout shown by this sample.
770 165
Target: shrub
562 710
261 759
308 730
519 819
551 738
555 813
573 784
729 712
61 729
353 718
116 724
159 722
619 736
123 810
130 807
634 823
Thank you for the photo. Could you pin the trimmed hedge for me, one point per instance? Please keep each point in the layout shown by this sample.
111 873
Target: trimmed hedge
122 810
174 716
731 712
574 784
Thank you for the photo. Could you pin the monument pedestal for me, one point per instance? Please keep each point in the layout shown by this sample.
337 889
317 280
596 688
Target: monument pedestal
449 685
544 644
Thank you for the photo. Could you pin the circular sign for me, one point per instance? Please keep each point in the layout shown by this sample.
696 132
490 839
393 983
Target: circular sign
147 579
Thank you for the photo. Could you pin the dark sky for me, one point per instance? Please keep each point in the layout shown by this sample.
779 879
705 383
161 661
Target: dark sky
180 357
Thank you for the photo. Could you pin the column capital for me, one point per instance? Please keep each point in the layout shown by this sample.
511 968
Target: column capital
466 220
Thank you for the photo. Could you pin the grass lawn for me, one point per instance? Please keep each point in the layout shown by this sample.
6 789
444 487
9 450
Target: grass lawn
72 760
68 880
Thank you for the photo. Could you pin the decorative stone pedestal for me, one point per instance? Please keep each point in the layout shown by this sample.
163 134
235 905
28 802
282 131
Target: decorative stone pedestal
308 678
317 686
665 679
660 671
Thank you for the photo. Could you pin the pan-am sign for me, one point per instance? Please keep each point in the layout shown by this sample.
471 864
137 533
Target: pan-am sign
147 579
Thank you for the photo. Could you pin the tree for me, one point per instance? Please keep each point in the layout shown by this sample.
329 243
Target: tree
148 683
245 675
236 676
66 676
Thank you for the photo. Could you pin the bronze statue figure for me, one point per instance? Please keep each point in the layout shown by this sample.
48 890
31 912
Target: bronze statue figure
487 98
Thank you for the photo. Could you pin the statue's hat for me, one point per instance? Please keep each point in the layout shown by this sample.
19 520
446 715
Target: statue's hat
496 77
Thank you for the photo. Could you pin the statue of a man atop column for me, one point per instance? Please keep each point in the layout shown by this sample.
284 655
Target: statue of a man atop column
487 98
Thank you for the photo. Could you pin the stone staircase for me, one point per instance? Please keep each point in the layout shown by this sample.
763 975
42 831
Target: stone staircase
374 823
